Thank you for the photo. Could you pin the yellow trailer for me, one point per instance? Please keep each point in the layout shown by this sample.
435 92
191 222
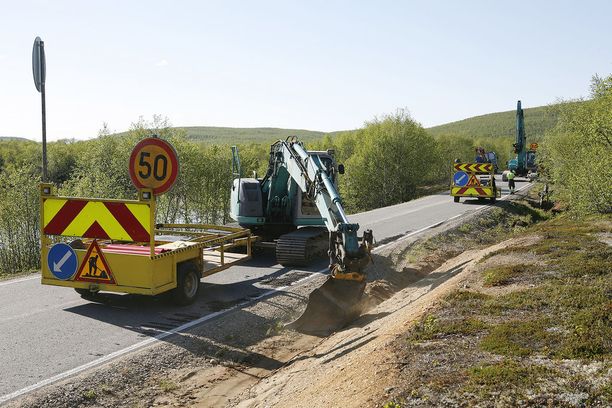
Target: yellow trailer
474 180
95 245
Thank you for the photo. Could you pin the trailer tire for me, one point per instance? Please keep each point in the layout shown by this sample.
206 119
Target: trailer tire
456 199
187 284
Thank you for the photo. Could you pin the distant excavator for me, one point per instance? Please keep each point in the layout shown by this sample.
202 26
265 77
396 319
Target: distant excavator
296 204
524 163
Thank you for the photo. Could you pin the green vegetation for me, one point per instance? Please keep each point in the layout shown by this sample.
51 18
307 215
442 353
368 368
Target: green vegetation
213 135
577 152
167 385
501 124
90 395
503 374
507 217
431 328
226 135
19 229
395 149
14 139
98 168
526 342
504 274
518 338
390 160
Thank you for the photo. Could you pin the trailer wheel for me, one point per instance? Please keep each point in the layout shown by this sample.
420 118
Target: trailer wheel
456 199
493 200
87 294
187 284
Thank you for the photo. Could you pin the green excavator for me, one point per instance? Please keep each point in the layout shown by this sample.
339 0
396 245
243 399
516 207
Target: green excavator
297 205
523 164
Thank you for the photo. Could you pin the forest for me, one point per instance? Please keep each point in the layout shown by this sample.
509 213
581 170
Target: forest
391 159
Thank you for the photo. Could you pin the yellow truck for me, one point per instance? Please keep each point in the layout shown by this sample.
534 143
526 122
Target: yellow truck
96 245
474 180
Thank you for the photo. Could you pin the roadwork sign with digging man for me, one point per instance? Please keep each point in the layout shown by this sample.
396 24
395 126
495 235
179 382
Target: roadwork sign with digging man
94 267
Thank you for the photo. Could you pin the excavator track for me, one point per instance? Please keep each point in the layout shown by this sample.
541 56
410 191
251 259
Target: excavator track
300 247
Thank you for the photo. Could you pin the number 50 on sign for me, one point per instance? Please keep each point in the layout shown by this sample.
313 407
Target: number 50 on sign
154 165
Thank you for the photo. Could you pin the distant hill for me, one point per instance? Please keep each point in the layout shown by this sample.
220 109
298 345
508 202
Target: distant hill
537 121
13 139
228 135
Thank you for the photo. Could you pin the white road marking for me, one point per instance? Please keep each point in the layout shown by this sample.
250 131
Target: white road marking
408 212
149 341
10 282
192 323
478 209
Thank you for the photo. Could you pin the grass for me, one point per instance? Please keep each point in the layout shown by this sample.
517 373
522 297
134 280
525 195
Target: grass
528 344
90 395
504 274
505 373
464 301
514 217
167 385
519 338
432 327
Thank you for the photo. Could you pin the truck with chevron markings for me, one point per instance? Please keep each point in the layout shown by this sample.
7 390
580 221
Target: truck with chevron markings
105 245
474 180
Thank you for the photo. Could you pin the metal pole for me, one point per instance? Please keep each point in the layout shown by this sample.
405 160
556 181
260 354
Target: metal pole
44 124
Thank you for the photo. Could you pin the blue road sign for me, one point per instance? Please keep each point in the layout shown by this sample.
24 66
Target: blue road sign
460 178
62 261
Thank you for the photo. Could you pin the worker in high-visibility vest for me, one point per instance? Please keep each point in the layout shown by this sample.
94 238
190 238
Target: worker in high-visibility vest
511 181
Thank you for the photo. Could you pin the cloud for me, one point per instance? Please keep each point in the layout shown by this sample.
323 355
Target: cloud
161 63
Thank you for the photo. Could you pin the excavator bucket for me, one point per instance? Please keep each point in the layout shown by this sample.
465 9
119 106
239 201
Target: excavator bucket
330 307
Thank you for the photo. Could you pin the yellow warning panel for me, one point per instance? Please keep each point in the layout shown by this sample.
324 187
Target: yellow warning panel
473 181
94 267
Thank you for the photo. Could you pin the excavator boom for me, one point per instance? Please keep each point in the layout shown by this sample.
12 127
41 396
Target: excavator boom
338 300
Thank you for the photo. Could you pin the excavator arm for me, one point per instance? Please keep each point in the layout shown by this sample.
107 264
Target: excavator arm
348 254
519 145
339 300
269 203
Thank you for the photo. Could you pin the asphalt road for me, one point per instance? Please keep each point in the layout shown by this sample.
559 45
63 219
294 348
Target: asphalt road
47 332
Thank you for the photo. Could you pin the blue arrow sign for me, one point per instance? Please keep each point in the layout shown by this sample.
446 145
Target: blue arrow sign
460 178
62 261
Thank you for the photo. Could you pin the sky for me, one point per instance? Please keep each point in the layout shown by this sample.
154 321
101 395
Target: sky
318 65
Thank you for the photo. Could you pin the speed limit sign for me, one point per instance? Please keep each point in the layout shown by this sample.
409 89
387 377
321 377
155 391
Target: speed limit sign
154 165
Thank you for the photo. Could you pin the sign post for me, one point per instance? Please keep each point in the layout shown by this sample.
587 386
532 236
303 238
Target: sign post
39 71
